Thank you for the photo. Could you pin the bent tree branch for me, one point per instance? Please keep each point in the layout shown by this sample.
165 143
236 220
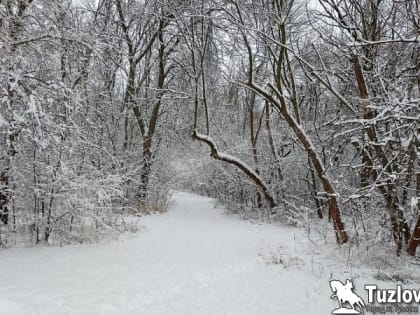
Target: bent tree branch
271 200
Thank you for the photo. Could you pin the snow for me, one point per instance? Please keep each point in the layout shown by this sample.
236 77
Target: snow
192 260
10 308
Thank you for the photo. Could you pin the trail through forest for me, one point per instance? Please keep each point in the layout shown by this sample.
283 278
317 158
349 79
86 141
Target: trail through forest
192 260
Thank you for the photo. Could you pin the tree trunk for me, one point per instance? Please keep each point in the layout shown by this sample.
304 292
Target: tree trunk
314 191
415 237
146 168
4 198
254 132
398 224
334 208
153 121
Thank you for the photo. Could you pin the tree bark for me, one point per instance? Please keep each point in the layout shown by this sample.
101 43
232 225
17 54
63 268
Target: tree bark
415 236
153 121
4 197
254 132
277 164
334 208
415 239
398 224
314 189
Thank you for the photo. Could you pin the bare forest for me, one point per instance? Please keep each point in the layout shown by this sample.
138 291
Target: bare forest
304 114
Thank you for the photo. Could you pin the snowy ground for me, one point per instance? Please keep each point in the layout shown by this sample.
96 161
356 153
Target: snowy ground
191 260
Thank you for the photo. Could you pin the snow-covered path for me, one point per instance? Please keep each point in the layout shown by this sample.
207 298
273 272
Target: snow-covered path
191 260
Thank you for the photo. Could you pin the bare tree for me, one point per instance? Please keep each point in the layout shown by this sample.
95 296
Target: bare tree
368 31
282 83
145 41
